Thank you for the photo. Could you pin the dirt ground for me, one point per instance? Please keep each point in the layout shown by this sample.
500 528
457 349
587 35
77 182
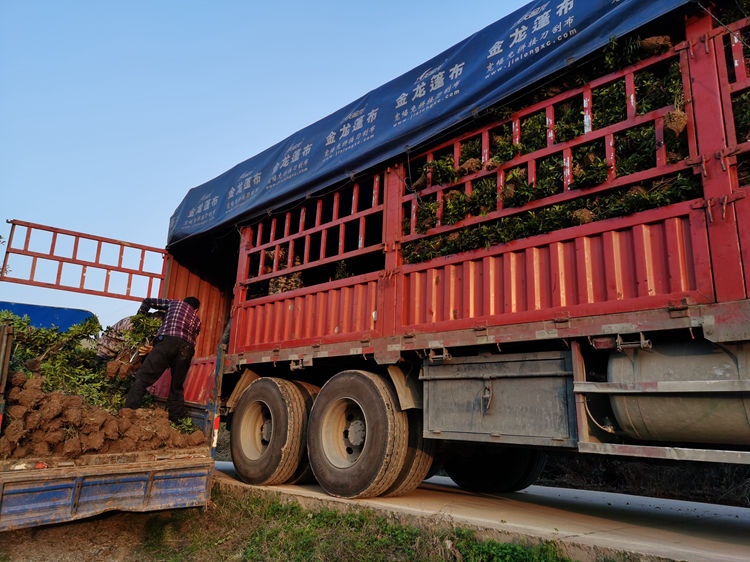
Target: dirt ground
111 536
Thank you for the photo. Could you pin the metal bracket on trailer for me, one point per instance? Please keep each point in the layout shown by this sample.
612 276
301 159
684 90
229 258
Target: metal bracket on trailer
642 344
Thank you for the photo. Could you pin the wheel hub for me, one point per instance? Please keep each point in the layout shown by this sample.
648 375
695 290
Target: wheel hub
355 433
265 431
344 433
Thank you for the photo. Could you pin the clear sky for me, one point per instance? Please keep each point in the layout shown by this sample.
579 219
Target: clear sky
111 111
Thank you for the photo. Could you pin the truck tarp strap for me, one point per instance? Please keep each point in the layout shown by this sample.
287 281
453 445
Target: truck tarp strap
533 42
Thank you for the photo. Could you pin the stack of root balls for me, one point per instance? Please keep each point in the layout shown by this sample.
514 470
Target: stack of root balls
52 424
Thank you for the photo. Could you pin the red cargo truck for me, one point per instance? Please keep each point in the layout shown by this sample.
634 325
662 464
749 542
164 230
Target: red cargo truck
543 252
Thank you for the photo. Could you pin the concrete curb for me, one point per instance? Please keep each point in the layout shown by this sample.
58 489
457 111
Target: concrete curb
314 498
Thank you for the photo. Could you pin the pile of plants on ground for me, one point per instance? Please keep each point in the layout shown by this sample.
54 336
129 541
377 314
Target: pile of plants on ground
61 402
657 86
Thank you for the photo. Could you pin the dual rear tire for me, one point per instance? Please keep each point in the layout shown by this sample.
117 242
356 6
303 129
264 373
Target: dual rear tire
353 438
268 432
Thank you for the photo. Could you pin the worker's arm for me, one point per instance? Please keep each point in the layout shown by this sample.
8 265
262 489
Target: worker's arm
149 303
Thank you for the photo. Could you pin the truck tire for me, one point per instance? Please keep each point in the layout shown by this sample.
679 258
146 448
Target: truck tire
267 428
480 467
357 438
303 474
419 458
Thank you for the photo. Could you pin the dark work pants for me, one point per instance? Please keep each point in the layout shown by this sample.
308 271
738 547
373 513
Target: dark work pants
169 353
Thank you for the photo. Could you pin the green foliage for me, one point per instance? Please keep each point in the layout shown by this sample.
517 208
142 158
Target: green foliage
66 360
674 85
650 93
471 148
728 12
549 176
143 331
484 196
517 191
741 110
185 425
569 119
589 165
620 53
534 132
426 214
635 150
443 170
503 147
621 202
342 271
608 104
455 206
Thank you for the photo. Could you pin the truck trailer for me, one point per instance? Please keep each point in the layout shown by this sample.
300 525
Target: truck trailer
539 240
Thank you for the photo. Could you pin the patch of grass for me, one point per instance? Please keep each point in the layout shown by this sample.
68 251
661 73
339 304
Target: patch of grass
259 527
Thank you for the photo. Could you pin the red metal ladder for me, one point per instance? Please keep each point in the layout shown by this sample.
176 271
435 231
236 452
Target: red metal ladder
62 259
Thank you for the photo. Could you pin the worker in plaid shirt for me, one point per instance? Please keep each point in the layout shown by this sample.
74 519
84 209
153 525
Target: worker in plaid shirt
173 349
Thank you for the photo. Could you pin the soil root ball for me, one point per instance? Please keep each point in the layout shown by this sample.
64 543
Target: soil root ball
18 379
20 452
72 416
110 428
33 364
17 412
30 397
657 44
5 447
15 431
34 419
123 424
34 383
40 449
72 447
52 405
675 121
92 419
196 438
92 442
54 437
14 394
72 402
471 166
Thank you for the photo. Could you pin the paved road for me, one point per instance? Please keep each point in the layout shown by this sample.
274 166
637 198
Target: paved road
589 525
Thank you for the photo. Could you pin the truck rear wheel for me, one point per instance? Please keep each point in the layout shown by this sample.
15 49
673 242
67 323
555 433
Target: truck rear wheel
357 439
419 458
303 474
480 467
267 430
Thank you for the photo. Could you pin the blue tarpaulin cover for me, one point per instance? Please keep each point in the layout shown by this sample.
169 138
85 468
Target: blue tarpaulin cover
512 53
47 316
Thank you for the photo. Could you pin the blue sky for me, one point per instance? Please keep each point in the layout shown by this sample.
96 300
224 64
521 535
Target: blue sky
111 111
